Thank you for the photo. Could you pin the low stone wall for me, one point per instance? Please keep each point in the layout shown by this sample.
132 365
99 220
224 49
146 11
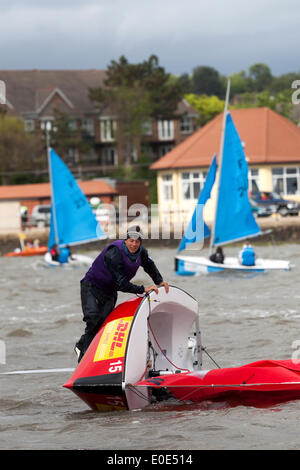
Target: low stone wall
283 229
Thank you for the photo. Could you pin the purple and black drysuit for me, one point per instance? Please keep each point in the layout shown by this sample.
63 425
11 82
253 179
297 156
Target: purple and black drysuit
111 272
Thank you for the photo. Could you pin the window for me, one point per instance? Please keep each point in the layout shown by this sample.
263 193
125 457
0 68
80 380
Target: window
47 125
253 180
134 154
29 125
88 126
147 128
186 125
165 130
108 127
72 125
163 149
286 180
147 150
167 187
72 156
44 210
192 183
109 156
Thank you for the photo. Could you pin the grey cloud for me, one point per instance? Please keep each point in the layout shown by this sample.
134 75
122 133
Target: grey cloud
228 35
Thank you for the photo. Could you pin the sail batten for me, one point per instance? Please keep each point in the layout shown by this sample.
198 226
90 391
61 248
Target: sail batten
245 237
72 219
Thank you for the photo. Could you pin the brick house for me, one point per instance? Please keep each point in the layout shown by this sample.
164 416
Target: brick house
34 95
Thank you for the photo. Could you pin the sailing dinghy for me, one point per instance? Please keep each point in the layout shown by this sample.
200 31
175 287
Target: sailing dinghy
234 220
149 349
72 219
27 251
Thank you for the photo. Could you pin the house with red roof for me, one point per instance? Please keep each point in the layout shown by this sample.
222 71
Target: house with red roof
272 148
13 197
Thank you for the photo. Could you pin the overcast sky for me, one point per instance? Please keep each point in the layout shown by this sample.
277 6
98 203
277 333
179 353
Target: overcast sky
229 35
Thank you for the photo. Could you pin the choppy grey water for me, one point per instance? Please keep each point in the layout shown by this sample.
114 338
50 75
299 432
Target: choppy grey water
243 318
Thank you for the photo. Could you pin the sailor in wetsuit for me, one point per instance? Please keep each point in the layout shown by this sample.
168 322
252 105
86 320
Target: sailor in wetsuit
111 272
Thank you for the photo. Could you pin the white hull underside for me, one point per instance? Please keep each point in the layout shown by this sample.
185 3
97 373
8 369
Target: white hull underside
201 264
77 260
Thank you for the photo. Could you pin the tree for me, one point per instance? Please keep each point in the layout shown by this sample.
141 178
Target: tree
284 104
64 136
136 93
139 171
283 82
239 83
207 81
185 82
19 151
207 106
280 102
261 76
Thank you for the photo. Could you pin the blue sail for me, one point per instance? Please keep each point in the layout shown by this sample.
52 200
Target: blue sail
234 217
72 219
197 229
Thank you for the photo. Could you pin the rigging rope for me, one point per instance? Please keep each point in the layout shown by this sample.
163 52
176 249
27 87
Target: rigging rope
204 349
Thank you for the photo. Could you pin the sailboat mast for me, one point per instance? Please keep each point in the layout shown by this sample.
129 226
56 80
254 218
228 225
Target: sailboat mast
220 165
52 197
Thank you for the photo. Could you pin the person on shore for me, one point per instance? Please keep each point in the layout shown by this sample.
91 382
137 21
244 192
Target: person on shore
218 256
111 272
247 255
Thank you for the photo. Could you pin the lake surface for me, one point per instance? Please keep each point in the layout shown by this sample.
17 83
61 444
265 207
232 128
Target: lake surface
243 318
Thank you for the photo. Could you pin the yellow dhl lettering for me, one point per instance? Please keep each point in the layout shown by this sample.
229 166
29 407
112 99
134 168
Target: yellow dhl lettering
113 341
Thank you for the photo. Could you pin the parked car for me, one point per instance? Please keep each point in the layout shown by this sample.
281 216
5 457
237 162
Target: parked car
260 210
40 215
276 203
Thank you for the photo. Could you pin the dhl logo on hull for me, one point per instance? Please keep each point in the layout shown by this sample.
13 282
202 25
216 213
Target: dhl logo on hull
113 340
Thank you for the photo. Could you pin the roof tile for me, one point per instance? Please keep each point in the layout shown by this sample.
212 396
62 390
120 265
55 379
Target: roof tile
43 190
268 138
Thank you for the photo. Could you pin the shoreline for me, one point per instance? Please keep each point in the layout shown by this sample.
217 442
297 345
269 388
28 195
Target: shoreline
283 230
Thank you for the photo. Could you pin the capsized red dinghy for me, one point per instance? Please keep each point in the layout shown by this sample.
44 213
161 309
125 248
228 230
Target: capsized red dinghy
150 348
257 383
136 338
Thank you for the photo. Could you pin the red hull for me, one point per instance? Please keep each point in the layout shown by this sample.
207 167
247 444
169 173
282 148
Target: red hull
98 377
256 383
